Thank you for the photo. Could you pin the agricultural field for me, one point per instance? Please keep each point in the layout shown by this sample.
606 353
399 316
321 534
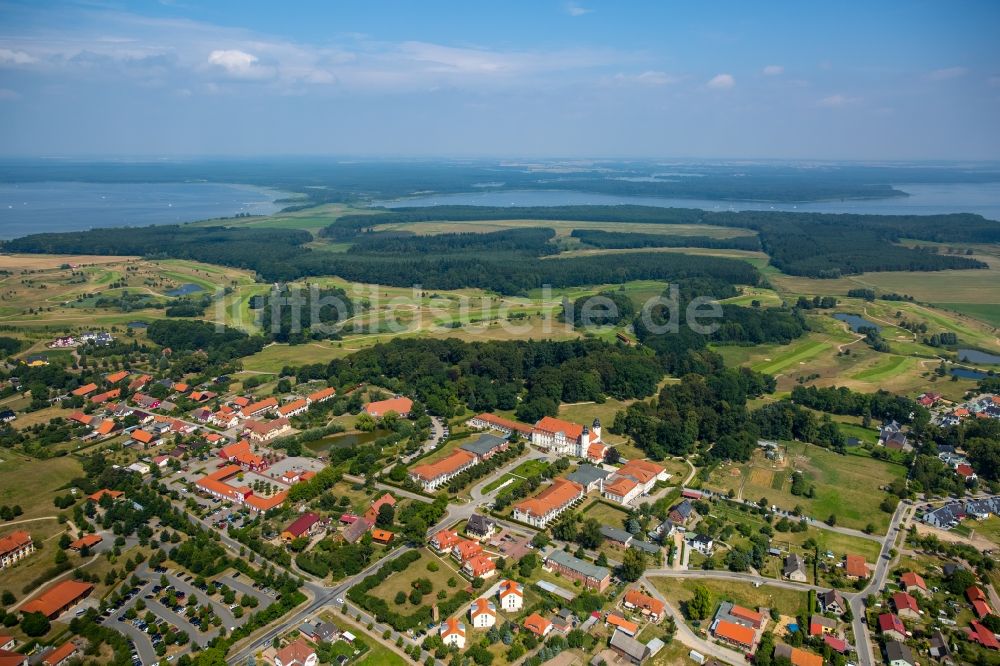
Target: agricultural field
848 486
48 478
563 228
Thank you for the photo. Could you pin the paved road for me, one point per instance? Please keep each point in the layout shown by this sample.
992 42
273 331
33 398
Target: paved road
687 636
862 637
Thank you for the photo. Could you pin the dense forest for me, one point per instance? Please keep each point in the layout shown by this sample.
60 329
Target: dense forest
448 375
811 244
841 400
295 308
219 343
278 255
619 240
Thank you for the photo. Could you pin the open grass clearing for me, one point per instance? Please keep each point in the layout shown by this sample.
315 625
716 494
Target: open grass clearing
679 590
46 477
402 581
605 514
848 486
564 228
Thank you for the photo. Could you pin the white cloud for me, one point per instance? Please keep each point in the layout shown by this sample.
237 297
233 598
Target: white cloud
946 73
773 70
9 57
648 78
573 9
721 82
236 63
837 101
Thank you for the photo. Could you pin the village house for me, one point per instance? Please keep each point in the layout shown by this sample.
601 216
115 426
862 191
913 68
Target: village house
537 625
57 598
797 656
855 567
321 396
795 568
906 606
702 543
913 583
820 625
898 653
591 576
480 527
681 513
464 550
633 479
891 627
510 595
453 632
305 525
635 600
296 653
482 614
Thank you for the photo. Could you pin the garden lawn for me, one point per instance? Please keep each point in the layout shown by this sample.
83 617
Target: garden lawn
788 602
401 581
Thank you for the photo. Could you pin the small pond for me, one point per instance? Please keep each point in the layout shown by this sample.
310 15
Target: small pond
966 373
138 324
185 289
976 356
342 439
856 322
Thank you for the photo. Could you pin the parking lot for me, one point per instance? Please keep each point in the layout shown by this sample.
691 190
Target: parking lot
170 604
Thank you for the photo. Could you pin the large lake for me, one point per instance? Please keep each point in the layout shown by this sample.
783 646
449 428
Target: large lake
924 199
27 208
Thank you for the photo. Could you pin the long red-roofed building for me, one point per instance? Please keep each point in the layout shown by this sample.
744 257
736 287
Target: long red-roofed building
433 475
544 507
57 598
487 421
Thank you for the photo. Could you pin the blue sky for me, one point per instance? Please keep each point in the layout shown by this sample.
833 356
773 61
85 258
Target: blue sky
792 80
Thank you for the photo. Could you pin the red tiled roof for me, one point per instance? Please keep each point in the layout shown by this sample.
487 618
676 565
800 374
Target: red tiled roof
751 616
241 453
629 628
507 424
85 389
553 425
322 394
981 607
452 626
382 407
96 497
480 564
107 427
536 624
262 405
855 566
466 550
911 579
982 635
294 405
116 377
620 486
382 536
800 657
14 541
734 632
60 654
296 652
86 541
445 539
972 593
431 471
142 436
57 597
561 492
511 587
640 600
643 470
891 622
481 606
302 524
838 644
80 417
904 601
